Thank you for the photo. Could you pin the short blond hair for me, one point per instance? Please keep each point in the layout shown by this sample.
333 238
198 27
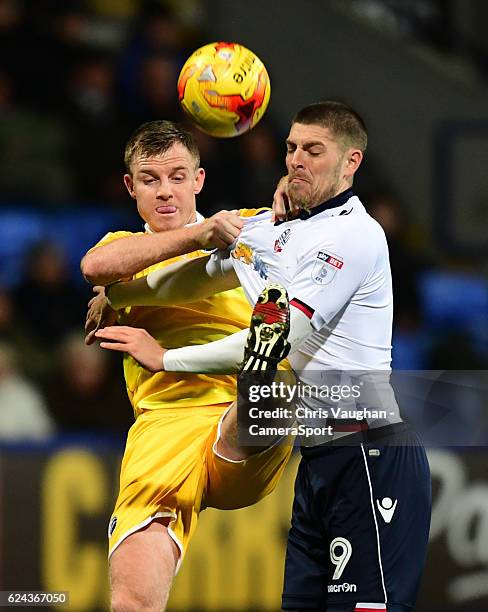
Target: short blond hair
155 138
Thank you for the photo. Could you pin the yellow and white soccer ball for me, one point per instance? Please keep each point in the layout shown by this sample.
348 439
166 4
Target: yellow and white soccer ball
224 88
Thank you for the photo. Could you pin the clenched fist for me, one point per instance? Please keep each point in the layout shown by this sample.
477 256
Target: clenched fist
220 230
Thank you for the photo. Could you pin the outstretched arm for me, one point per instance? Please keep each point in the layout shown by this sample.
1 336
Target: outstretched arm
122 258
220 357
178 283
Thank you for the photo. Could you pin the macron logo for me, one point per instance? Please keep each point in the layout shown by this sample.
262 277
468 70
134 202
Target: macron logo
346 587
387 508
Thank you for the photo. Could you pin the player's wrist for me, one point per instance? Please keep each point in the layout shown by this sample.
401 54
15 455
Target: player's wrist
165 352
198 235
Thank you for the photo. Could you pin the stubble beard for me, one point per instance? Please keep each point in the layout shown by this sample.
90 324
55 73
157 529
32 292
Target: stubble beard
297 199
309 199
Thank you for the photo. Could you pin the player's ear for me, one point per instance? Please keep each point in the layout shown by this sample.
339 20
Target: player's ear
353 160
199 179
129 183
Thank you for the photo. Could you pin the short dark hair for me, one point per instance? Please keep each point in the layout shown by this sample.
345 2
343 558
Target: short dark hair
344 122
155 138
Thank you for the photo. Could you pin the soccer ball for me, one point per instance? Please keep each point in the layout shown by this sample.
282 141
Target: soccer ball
224 88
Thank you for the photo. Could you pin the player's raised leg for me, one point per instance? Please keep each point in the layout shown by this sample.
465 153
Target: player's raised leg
266 346
142 570
241 473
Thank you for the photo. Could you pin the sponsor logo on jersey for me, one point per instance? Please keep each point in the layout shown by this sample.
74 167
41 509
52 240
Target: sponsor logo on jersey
112 525
243 252
345 587
260 267
281 241
387 508
325 267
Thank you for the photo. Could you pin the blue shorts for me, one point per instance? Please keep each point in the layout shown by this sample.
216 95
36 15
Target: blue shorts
360 524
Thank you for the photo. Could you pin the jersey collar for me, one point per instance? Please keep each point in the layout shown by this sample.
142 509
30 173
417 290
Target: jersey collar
334 202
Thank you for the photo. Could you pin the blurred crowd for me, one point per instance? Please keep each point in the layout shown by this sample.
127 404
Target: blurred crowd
75 79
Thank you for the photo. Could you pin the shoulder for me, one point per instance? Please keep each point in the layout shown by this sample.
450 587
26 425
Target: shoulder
356 228
357 239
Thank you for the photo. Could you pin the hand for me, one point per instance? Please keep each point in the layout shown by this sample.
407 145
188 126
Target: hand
283 208
99 314
220 230
138 343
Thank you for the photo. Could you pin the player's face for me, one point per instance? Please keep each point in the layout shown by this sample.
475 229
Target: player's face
164 187
319 167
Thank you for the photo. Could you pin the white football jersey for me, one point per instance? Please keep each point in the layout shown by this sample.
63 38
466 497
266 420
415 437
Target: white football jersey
334 263
336 269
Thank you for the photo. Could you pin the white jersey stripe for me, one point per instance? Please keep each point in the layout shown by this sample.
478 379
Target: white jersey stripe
373 510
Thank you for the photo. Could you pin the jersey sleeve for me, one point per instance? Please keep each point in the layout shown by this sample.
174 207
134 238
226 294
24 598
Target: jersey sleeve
219 263
328 276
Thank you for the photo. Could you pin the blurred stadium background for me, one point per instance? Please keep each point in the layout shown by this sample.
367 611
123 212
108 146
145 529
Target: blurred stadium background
75 78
